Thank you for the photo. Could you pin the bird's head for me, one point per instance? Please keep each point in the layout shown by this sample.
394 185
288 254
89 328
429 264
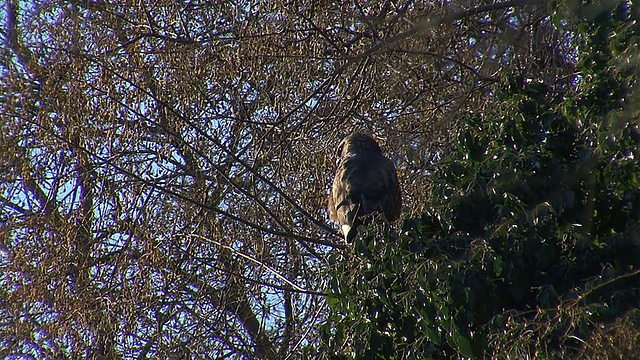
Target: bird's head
356 144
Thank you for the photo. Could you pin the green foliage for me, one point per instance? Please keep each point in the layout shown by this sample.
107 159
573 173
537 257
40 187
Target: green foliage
531 244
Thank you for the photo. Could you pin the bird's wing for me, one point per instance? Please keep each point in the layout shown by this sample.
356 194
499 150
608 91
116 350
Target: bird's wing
392 203
381 190
342 208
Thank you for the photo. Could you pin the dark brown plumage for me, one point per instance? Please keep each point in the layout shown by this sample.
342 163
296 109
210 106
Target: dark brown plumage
366 182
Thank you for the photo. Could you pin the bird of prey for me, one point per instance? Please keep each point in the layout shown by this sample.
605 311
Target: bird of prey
366 183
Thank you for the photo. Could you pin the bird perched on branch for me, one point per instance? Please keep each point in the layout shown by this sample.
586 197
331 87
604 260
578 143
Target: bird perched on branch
366 183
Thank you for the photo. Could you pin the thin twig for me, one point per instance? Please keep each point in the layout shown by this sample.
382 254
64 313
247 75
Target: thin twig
257 261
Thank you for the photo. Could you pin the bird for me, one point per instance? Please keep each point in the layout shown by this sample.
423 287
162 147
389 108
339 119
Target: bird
365 183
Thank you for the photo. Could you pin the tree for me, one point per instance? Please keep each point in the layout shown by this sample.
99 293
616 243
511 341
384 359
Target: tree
165 166
529 244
